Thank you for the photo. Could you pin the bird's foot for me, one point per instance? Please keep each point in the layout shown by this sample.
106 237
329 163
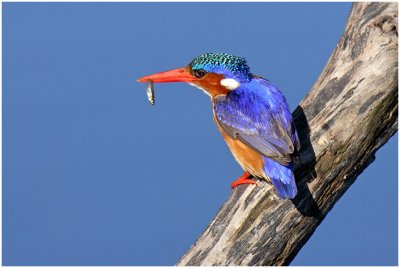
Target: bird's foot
244 179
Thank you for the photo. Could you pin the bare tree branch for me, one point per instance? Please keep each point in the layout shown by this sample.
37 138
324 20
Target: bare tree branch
350 112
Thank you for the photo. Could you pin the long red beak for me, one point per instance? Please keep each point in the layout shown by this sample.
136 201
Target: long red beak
176 75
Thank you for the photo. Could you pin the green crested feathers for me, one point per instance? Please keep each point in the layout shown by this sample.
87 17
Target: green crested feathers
214 61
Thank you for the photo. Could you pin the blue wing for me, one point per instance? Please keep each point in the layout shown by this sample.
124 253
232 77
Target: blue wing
257 114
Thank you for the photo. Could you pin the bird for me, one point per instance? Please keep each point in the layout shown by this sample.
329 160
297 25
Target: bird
252 115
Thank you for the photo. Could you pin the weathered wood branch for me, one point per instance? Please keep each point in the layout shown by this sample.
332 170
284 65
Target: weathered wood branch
350 112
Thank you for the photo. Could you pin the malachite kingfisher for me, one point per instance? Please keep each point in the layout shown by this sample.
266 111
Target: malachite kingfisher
250 112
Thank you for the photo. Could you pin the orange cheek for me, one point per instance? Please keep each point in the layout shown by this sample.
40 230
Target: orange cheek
212 84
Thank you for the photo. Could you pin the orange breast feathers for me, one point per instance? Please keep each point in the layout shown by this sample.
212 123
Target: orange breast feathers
250 160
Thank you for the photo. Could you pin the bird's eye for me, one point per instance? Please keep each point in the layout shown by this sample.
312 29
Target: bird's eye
199 73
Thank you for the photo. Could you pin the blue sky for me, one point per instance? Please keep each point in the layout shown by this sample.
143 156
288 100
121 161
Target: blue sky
94 175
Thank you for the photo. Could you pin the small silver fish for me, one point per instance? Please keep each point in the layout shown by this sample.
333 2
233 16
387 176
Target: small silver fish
150 91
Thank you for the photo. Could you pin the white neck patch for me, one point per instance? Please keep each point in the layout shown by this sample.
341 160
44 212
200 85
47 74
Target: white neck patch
230 83
199 88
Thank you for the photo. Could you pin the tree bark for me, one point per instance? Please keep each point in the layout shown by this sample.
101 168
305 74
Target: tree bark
350 112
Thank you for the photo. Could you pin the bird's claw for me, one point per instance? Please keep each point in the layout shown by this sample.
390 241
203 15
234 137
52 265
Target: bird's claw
244 179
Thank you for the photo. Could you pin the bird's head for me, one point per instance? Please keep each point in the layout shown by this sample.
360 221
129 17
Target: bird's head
215 73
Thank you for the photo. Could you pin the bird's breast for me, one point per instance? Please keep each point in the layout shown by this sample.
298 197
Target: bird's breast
250 160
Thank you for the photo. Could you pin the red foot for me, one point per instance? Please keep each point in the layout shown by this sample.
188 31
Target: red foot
244 179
